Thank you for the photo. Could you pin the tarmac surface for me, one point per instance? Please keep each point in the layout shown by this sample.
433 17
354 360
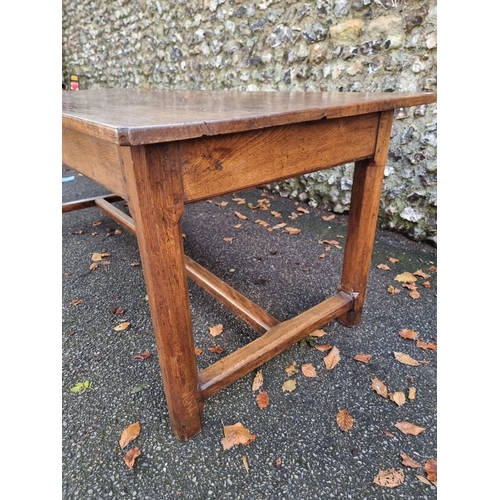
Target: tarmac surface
300 451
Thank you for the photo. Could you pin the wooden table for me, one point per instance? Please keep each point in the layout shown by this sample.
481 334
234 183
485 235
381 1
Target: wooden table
161 149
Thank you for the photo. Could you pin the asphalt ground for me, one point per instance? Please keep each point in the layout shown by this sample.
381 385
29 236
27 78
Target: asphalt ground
299 451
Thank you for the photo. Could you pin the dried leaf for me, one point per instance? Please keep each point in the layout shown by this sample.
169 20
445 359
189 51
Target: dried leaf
379 387
426 345
302 210
277 462
328 217
143 355
323 347
237 226
292 368
398 398
118 310
322 256
330 242
289 385
392 290
129 434
409 462
392 260
217 349
408 428
240 216
197 351
292 230
98 256
384 267
412 392
406 359
245 463
130 457
236 434
422 274
426 284
414 294
93 266
75 302
332 358
390 478
122 326
430 468
423 479
228 240
138 388
308 370
317 333
405 278
262 399
364 358
222 203
258 381
239 201
276 214
216 330
344 420
408 334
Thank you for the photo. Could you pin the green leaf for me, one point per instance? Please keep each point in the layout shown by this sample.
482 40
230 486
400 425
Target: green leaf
81 387
138 388
77 388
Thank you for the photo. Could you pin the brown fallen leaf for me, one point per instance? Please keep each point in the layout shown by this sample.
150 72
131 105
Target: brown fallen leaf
330 242
344 420
222 204
118 310
414 294
216 330
240 216
289 385
422 274
308 370
292 368
135 264
143 355
122 326
237 226
322 256
423 479
245 463
323 347
363 358
390 478
398 398
384 267
130 457
379 387
129 434
292 230
426 345
328 217
217 349
75 302
409 462
392 260
332 358
405 278
236 434
409 428
393 290
239 201
262 399
406 359
430 468
93 266
97 222
412 392
98 256
408 334
302 210
228 240
317 333
197 351
258 381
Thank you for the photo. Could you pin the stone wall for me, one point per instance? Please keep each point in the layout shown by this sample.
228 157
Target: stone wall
322 45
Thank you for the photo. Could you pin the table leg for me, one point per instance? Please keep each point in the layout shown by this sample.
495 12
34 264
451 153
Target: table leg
154 181
362 222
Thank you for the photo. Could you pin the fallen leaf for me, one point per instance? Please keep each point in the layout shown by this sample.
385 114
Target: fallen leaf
332 358
277 462
292 230
423 479
118 310
229 240
328 217
129 434
308 370
330 242
408 334
344 420
262 399
217 349
426 345
237 226
384 267
426 284
409 462
197 351
122 326
240 216
261 223
143 355
414 294
323 347
433 269
406 359
98 256
322 256
130 457
412 392
392 290
405 278
289 385
398 398
390 478
409 428
302 210
239 201
216 330
392 260
422 274
379 387
222 203
276 214
389 434
81 387
258 381
93 266
75 302
292 368
236 434
318 333
138 388
245 463
430 468
364 358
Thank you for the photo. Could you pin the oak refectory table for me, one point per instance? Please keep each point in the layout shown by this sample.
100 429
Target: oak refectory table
160 149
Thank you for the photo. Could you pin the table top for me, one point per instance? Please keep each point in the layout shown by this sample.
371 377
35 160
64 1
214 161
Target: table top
131 117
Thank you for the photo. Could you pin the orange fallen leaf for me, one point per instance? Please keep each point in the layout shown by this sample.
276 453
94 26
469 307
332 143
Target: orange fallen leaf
426 345
237 226
409 428
379 387
406 359
240 216
216 330
98 256
422 274
409 462
129 434
75 302
236 434
143 355
302 210
330 242
430 468
384 267
390 478
292 368
262 399
122 326
392 290
344 420
328 217
197 351
405 277
393 260
217 349
239 201
228 240
426 284
398 398
433 269
317 333
222 204
408 334
308 370
289 386
130 457
258 381
93 266
414 294
323 347
322 256
364 358
245 463
412 392
292 230
332 358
